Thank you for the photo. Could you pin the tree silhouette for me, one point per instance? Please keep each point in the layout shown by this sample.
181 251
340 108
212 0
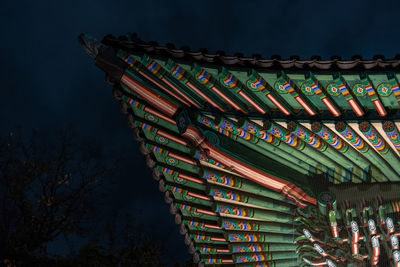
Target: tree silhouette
46 189
52 188
122 244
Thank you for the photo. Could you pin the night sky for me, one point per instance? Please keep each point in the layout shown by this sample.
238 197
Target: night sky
48 81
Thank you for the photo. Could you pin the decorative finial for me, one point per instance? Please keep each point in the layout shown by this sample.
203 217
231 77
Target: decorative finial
90 44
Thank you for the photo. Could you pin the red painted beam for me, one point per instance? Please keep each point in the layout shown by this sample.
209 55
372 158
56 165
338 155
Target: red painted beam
287 189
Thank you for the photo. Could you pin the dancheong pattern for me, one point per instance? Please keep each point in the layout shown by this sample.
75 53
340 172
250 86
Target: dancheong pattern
242 225
228 194
222 179
234 210
267 162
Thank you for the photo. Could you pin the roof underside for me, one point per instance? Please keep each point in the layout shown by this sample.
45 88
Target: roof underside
241 151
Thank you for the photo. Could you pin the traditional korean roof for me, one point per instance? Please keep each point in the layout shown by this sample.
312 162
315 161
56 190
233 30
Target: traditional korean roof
252 153
131 42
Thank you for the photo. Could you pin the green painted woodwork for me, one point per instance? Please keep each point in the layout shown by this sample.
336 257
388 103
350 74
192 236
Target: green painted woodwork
209 78
205 239
263 90
259 96
259 237
172 177
242 197
256 257
185 76
385 151
194 225
151 134
138 109
133 74
261 247
381 81
190 211
340 172
247 212
354 82
206 249
255 226
281 263
137 65
231 181
163 156
172 80
257 160
388 154
236 149
302 82
271 79
367 159
298 78
280 153
302 157
237 86
215 261
327 80
335 157
232 218
184 195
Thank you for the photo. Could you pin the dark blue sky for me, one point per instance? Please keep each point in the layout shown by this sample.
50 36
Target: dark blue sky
47 80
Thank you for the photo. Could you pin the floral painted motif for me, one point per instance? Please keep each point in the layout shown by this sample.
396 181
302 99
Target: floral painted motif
201 237
203 76
153 67
282 86
197 225
246 237
329 137
234 210
307 88
393 134
286 136
227 194
229 80
310 138
359 90
222 179
194 213
240 225
150 117
251 248
254 258
187 197
161 140
171 161
384 89
333 89
376 140
179 180
257 84
352 137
